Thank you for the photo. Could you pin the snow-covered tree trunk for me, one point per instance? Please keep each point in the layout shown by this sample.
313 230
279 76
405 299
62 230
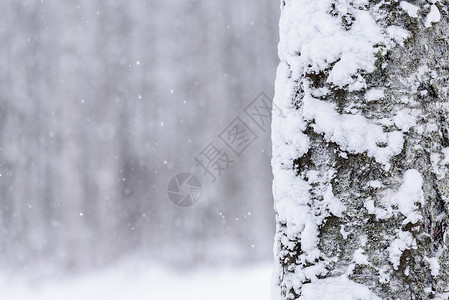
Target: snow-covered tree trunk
361 150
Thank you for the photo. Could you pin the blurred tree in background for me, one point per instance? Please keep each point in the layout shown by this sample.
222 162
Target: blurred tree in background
102 102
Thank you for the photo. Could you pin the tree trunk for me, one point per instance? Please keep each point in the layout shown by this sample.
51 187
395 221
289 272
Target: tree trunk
361 150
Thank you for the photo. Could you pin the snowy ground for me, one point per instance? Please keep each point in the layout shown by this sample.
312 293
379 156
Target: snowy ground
160 283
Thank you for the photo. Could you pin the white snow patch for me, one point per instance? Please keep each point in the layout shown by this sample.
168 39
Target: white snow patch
434 16
404 121
446 155
398 34
403 242
374 94
409 193
151 282
309 238
288 140
343 232
412 218
323 41
407 271
434 265
335 206
380 213
384 275
353 133
313 176
363 239
410 9
375 184
294 194
360 258
340 288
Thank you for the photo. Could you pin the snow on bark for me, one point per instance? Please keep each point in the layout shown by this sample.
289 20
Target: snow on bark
360 157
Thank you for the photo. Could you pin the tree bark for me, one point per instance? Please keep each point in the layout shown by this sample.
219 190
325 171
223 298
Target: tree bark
361 150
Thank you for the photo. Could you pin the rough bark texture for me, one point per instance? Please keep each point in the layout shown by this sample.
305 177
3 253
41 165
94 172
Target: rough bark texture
406 253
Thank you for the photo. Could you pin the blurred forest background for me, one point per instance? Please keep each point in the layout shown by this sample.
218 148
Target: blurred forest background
102 102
